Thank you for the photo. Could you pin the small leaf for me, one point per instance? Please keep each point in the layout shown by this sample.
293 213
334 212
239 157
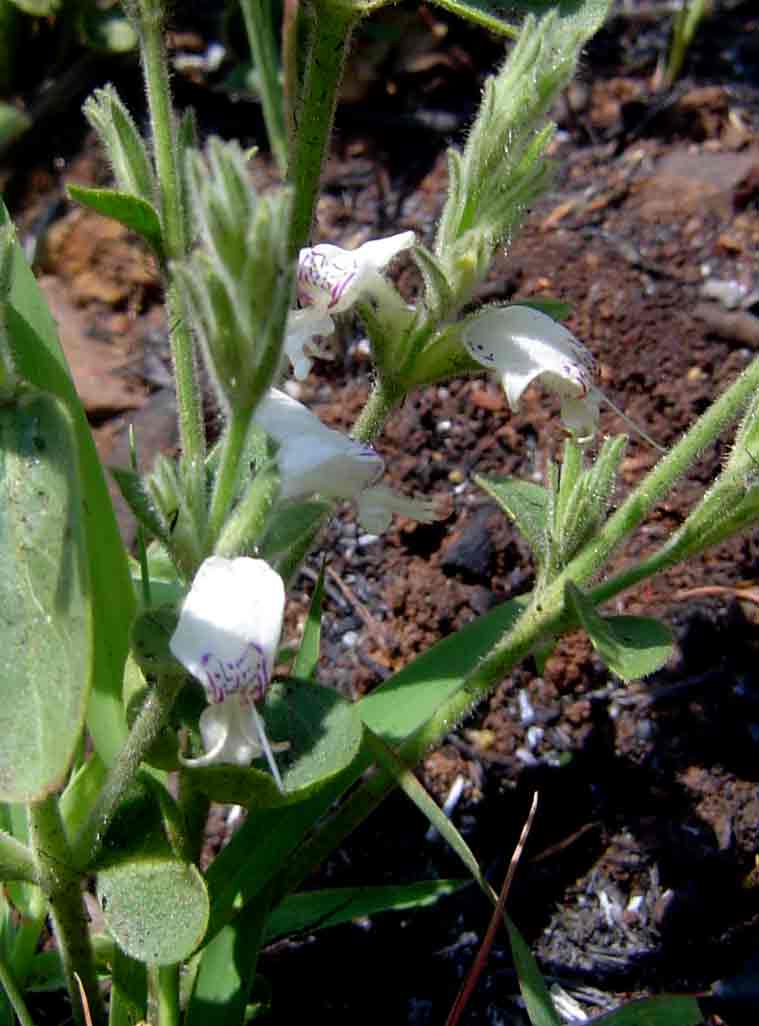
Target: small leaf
527 505
132 211
45 611
139 501
307 658
630 646
316 910
155 908
537 998
290 526
437 295
662 1010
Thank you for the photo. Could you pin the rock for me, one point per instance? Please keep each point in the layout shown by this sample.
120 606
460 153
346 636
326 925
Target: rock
471 550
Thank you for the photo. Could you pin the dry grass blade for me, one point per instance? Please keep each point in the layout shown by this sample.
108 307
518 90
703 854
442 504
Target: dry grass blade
482 955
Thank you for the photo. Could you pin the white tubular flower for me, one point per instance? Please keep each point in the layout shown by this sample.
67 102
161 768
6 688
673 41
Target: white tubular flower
332 279
227 637
314 459
302 327
523 345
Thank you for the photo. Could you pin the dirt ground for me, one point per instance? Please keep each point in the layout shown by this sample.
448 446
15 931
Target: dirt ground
638 877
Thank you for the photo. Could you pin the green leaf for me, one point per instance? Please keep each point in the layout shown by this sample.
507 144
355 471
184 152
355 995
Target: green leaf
132 211
483 13
226 972
107 30
139 501
526 504
402 703
323 732
81 794
155 908
316 910
13 123
129 990
662 1010
540 1007
45 609
40 360
438 296
409 784
291 524
630 646
307 658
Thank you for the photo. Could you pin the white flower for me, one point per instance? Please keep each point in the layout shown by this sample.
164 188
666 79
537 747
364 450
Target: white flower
302 327
332 279
314 459
227 637
523 345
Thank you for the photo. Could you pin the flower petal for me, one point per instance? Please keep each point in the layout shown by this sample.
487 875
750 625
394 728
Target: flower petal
331 278
230 625
224 738
521 345
377 505
313 458
302 327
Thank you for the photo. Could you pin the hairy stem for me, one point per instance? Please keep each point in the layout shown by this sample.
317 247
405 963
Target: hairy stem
163 129
145 729
62 885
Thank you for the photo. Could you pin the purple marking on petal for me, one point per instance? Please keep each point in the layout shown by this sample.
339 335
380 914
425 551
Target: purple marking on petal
235 675
339 287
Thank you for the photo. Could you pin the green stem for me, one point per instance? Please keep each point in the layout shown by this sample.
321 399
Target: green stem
382 400
16 861
14 995
260 31
331 29
156 71
62 885
145 729
225 484
167 991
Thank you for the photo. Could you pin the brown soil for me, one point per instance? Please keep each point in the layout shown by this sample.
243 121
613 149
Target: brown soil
638 875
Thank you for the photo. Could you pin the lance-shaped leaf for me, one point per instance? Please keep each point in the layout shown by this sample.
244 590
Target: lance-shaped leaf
141 503
526 504
631 646
134 212
662 1010
45 611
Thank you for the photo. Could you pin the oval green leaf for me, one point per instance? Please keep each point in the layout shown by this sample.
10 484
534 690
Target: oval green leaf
155 909
45 613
